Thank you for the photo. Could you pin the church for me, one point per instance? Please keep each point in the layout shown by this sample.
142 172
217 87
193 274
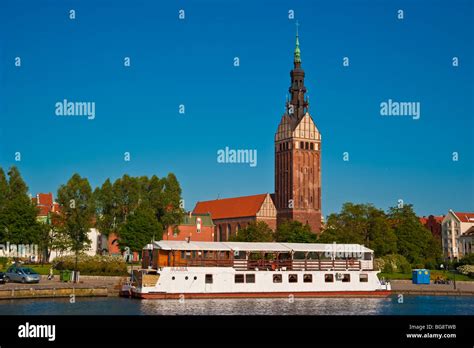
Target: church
297 173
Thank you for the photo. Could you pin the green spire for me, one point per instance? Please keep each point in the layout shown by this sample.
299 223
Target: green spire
297 48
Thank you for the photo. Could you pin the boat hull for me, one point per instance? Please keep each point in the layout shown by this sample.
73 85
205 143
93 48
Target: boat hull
307 294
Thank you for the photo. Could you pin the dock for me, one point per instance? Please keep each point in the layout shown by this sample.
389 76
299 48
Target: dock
88 286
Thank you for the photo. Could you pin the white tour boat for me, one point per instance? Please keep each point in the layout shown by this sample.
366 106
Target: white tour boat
182 269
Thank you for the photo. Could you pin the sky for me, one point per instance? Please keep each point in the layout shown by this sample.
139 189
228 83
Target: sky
190 62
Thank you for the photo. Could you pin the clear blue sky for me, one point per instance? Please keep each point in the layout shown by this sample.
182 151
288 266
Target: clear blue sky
190 62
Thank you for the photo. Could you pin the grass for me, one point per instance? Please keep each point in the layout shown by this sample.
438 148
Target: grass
433 276
40 269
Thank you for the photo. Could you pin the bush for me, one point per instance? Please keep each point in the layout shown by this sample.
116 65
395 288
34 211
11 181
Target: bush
466 270
93 265
393 263
4 262
466 260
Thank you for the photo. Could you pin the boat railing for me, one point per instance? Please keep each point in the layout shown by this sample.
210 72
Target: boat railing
272 265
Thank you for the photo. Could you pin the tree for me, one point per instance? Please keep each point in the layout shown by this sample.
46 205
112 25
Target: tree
256 231
106 207
292 231
77 212
141 227
414 241
18 222
171 212
361 224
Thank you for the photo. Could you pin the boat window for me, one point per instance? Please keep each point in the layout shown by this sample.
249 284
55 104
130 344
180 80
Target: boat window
208 278
346 278
308 278
312 255
277 278
195 278
329 278
183 255
239 278
173 278
367 256
363 278
299 255
186 278
240 255
293 278
250 278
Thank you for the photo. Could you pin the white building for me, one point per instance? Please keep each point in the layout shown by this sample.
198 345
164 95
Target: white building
467 241
455 225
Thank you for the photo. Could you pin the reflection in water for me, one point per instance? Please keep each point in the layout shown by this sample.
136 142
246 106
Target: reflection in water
316 306
412 305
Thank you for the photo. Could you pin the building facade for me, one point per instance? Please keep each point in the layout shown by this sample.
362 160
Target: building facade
229 215
467 242
298 157
194 227
454 226
433 224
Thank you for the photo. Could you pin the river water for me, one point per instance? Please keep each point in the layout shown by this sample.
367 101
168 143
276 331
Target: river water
411 305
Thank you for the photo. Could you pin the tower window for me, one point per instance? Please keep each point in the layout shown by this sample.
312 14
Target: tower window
301 145
306 145
311 146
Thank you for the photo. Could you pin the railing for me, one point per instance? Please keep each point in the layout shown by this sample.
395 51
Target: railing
272 265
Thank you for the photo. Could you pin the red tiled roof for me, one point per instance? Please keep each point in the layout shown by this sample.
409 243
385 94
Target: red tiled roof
465 217
45 199
231 207
423 220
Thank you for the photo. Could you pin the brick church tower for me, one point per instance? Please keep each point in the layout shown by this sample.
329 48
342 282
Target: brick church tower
298 157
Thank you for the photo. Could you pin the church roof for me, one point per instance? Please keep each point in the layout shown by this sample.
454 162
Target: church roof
227 208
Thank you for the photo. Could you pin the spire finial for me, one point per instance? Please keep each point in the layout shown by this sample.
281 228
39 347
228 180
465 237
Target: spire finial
297 48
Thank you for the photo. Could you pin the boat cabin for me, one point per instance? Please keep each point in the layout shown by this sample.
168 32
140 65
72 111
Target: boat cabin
257 256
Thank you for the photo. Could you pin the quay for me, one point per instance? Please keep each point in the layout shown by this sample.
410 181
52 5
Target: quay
88 286
406 287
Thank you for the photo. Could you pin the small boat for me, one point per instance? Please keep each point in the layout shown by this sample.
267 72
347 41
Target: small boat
186 269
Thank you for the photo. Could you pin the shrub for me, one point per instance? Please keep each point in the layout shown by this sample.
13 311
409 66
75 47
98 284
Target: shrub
93 265
466 260
466 270
4 262
394 263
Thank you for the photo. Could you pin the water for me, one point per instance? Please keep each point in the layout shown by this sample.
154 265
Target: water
412 305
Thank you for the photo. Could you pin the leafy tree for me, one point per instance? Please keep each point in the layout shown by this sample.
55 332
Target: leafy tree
141 227
172 211
77 211
256 231
106 207
18 222
361 224
292 231
414 241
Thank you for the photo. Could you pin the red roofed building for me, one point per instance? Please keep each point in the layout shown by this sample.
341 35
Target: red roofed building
433 224
454 226
232 214
195 227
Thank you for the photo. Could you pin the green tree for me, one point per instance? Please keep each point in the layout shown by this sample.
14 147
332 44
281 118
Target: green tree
106 207
414 241
18 222
256 231
171 212
292 231
77 211
361 224
141 227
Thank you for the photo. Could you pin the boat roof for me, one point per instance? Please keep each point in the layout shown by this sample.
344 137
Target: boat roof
257 246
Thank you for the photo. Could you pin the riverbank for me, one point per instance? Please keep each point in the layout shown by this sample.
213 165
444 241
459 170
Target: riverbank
88 286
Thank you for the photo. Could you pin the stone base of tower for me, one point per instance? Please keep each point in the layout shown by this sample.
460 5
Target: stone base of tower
310 217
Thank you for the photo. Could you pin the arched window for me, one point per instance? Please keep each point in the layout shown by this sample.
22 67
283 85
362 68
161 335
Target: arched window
229 231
